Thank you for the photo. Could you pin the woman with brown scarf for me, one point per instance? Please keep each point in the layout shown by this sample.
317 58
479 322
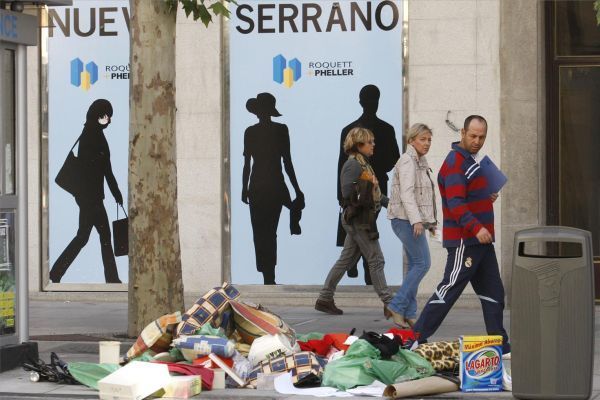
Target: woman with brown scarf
362 199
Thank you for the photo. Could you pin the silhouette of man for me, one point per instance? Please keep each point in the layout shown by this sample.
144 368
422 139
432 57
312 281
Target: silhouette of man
94 159
384 157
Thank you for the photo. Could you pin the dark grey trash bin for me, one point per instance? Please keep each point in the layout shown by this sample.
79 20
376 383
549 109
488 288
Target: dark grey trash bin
552 314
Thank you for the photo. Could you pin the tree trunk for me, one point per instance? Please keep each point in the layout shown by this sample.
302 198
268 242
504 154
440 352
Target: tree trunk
155 283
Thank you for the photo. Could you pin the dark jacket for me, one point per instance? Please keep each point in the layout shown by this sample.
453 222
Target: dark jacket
357 198
94 158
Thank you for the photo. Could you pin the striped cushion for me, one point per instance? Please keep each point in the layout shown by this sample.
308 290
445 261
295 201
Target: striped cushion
306 368
156 336
213 307
253 321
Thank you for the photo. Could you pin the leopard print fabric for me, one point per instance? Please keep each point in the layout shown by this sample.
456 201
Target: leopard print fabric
443 356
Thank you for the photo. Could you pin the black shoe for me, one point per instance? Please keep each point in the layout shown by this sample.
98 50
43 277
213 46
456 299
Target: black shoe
328 307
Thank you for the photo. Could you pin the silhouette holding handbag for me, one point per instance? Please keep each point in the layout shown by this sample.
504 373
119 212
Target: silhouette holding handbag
83 176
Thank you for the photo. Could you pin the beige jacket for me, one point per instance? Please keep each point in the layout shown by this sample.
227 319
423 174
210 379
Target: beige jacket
412 196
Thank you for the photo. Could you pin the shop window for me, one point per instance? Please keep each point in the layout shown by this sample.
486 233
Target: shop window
579 141
577 31
8 123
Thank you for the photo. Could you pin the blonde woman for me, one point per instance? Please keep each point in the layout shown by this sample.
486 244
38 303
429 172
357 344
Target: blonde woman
412 212
362 199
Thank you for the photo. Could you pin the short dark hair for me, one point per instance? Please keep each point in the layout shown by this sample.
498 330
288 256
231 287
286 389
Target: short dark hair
471 118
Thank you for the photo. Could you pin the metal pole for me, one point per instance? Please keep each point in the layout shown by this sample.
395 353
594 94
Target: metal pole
22 210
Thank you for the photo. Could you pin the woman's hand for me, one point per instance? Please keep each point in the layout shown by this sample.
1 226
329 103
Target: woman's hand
119 198
418 229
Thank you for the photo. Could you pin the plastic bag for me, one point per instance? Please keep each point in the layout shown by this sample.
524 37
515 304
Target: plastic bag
89 373
209 330
416 363
351 370
346 373
404 366
362 348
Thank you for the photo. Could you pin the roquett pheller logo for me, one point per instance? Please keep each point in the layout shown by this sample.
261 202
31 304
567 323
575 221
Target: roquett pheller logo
286 72
81 77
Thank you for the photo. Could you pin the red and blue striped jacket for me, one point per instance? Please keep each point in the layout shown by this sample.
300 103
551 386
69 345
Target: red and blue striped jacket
466 202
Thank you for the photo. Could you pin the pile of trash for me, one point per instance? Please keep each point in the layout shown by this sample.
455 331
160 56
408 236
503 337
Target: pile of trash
223 342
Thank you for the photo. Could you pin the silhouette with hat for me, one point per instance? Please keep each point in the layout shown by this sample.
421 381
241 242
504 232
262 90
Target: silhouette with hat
384 157
264 188
94 159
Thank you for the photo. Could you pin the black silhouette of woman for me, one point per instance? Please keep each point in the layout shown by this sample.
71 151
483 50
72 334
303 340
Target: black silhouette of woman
265 145
94 159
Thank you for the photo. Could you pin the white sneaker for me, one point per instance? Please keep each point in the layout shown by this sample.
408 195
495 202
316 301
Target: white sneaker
506 356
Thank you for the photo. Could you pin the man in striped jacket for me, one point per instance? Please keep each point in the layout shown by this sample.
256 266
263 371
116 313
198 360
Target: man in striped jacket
468 235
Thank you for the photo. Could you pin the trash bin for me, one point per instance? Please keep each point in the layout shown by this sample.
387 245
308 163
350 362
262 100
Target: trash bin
552 315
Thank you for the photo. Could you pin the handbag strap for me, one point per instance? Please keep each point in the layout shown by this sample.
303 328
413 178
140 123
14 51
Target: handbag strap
75 144
125 212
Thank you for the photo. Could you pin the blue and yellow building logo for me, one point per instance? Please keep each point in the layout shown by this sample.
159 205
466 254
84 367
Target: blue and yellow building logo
83 78
286 73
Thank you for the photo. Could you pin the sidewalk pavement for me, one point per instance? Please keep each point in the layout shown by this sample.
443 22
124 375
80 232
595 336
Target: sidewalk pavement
73 329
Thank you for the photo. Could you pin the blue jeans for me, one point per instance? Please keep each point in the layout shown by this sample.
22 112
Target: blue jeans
419 261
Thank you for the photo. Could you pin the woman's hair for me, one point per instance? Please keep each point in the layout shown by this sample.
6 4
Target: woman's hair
99 109
355 137
416 130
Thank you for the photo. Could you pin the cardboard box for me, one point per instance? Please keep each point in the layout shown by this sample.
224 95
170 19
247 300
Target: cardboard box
481 363
134 381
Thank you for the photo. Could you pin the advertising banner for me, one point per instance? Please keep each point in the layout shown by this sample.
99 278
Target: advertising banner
88 135
302 74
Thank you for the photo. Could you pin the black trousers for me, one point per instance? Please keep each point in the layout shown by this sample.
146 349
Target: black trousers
478 265
90 215
264 216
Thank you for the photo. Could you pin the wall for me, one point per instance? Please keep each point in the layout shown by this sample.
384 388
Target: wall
453 65
522 100
33 163
199 63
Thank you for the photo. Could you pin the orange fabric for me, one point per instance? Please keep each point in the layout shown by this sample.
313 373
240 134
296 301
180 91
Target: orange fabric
337 340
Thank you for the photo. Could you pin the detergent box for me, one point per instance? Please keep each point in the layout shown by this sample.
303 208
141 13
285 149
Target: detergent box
481 363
